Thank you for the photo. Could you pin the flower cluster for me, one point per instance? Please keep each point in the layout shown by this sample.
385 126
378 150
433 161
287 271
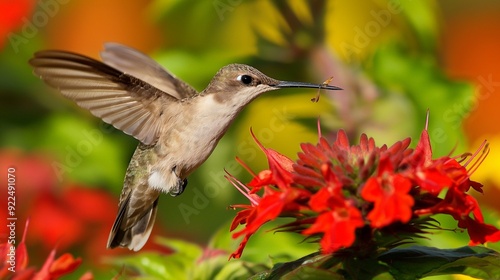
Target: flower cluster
340 194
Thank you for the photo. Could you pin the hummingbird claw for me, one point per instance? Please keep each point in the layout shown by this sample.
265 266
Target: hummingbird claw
179 188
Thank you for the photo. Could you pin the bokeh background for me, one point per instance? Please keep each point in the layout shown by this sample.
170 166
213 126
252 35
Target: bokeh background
395 60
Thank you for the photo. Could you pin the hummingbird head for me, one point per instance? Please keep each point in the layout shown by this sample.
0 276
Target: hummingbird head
242 83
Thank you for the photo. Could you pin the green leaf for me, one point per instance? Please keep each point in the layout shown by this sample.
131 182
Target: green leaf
281 269
317 266
149 264
313 273
342 265
177 265
222 269
189 251
418 261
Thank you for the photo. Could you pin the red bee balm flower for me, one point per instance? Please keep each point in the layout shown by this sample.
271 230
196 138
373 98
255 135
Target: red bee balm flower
336 191
390 194
338 227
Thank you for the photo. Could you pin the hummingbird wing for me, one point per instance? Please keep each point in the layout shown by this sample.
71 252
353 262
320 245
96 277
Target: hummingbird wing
128 103
139 65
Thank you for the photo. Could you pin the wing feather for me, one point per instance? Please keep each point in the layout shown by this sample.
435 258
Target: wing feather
141 66
128 103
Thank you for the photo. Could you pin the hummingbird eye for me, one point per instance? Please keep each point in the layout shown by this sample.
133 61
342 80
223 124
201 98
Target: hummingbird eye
245 79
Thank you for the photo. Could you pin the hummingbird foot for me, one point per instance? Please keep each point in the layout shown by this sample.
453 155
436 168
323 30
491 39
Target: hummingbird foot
179 188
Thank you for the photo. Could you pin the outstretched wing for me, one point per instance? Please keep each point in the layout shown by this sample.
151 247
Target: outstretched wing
141 66
120 99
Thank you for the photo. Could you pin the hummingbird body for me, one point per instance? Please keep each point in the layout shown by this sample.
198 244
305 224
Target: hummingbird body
177 127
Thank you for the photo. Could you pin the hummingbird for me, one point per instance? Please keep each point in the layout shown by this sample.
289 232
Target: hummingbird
177 127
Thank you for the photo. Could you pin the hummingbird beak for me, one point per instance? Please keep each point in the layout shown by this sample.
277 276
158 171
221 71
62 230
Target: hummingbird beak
286 84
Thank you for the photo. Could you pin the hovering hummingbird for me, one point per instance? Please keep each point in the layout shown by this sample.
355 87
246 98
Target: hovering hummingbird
178 128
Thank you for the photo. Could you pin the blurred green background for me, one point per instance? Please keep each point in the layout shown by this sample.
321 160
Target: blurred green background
394 60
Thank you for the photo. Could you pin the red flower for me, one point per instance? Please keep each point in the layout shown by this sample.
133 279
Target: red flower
335 189
479 232
75 214
448 173
338 220
280 169
330 196
427 173
19 257
52 269
267 209
275 200
389 192
338 227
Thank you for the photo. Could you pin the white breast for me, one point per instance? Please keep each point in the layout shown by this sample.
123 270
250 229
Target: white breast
162 181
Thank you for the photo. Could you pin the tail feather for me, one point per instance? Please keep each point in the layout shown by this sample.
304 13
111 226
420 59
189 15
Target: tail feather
132 234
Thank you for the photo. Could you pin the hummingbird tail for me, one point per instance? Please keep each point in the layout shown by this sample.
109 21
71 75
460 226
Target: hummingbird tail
134 236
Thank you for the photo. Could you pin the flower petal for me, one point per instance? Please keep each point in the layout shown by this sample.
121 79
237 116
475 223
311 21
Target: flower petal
389 193
338 228
281 166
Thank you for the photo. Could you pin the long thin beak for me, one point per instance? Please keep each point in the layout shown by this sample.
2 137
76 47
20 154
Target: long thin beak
285 84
